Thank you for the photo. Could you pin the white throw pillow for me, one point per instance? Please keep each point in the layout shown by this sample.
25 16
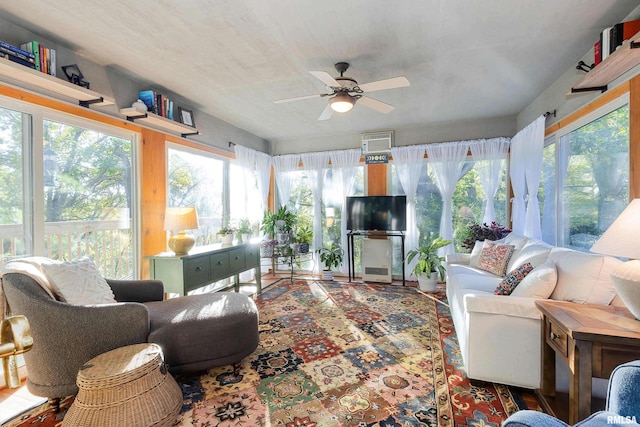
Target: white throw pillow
539 283
534 253
79 282
475 253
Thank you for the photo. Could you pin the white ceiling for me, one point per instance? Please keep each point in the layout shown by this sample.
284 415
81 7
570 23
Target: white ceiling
465 59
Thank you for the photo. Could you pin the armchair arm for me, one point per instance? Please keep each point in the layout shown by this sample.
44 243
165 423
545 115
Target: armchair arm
528 418
137 290
624 389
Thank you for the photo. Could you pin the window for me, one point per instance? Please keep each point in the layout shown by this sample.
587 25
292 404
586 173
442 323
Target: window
88 197
590 183
14 136
67 189
197 179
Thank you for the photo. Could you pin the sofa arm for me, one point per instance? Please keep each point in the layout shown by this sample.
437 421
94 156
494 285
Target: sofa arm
457 258
501 304
137 290
624 388
530 418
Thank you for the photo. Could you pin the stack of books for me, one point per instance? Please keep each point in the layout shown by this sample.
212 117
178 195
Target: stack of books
45 58
612 38
17 55
157 103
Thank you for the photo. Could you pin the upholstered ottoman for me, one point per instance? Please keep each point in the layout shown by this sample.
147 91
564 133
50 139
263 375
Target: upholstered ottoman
198 332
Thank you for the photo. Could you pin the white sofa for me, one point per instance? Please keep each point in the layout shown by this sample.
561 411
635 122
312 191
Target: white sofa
500 336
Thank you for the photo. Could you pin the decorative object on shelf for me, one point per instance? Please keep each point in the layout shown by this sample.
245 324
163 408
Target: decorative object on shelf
15 339
582 66
621 240
139 106
180 219
331 256
186 117
74 75
428 262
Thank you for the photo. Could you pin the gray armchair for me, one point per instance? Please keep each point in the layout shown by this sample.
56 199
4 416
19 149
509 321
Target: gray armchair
66 336
622 407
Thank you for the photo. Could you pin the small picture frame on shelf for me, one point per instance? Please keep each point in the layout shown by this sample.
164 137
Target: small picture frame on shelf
186 117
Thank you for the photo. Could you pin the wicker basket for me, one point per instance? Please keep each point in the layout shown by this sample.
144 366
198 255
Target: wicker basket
128 386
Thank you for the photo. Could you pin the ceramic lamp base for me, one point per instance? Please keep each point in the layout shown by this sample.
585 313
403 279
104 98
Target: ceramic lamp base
181 243
626 281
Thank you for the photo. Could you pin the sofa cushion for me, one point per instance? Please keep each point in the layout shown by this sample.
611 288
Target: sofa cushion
516 240
475 253
583 278
539 283
513 279
494 257
533 252
79 282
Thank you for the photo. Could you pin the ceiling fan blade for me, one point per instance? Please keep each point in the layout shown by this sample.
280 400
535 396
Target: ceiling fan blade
298 98
374 104
392 83
325 78
327 113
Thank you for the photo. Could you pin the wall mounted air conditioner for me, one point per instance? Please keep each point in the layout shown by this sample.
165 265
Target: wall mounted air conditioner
376 260
377 142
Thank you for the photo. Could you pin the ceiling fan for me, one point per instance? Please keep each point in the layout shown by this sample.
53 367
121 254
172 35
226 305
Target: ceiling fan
343 92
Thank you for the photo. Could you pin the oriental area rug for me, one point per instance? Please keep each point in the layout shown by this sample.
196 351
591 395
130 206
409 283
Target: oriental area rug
341 354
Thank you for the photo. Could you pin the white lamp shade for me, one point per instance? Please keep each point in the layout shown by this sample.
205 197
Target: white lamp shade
180 219
342 102
622 238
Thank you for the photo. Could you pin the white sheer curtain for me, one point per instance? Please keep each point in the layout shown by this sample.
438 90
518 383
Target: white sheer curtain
409 161
447 160
251 160
525 170
283 165
489 156
344 163
263 171
314 163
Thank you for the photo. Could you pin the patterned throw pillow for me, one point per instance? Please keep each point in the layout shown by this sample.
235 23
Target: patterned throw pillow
494 257
513 279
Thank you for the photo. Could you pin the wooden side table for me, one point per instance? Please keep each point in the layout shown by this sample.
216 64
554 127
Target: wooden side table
592 339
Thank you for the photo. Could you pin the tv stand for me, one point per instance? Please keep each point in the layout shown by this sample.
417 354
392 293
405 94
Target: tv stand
371 233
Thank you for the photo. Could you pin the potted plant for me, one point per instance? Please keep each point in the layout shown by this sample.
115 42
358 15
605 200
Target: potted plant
280 223
244 230
226 235
304 235
476 232
429 265
331 256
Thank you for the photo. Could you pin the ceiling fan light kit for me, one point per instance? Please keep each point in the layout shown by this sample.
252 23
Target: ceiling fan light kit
343 92
342 102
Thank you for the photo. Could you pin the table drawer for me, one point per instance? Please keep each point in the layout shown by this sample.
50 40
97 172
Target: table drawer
196 271
252 255
237 260
556 337
219 266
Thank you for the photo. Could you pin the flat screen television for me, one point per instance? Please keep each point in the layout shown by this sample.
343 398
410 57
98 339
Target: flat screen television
382 213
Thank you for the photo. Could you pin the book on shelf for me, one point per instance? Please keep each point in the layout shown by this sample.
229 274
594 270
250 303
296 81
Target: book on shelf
622 32
149 99
16 51
597 53
17 60
605 42
33 47
157 103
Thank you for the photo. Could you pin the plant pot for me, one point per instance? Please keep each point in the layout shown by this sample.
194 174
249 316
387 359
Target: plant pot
282 238
227 239
327 275
245 237
427 284
303 248
266 251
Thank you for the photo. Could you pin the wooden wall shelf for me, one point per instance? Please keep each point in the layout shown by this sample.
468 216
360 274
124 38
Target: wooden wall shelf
158 121
85 97
619 62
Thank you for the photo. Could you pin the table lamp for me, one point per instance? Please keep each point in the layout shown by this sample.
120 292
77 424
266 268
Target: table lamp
180 219
622 239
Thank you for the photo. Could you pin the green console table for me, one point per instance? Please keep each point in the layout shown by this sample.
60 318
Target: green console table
205 265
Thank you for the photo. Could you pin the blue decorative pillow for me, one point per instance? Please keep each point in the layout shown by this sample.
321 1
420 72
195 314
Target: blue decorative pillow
511 280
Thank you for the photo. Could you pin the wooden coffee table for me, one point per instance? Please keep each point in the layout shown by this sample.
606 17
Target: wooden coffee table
592 339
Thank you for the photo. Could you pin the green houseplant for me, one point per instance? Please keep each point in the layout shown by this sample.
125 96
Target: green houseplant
428 262
244 229
281 221
304 235
331 256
